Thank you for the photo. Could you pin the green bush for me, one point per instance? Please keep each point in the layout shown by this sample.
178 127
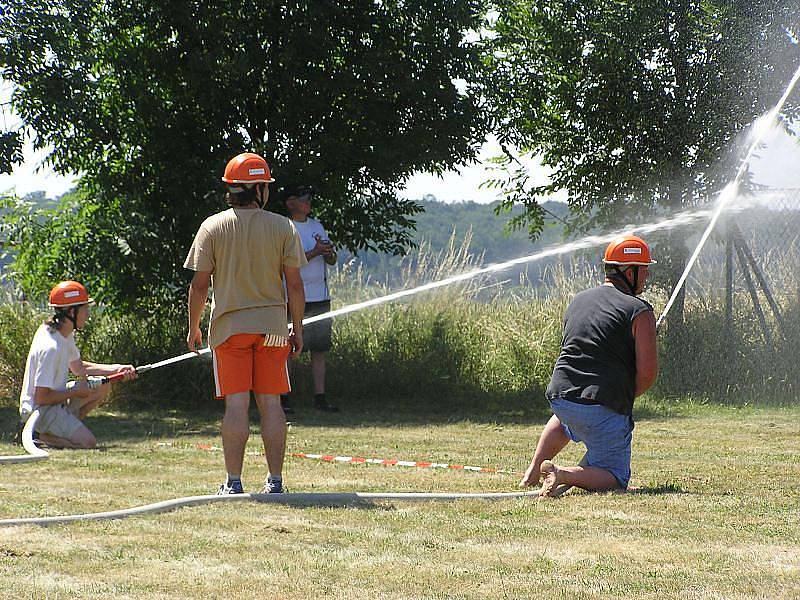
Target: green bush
18 323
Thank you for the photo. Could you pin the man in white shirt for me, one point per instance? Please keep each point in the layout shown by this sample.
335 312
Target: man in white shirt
319 253
63 404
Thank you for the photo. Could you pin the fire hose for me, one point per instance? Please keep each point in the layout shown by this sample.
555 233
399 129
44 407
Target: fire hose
296 499
34 453
155 365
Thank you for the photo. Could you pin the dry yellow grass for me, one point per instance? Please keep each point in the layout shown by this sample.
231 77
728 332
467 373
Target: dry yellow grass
717 516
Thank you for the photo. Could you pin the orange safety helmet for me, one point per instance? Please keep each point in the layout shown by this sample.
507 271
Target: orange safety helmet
628 250
69 293
247 168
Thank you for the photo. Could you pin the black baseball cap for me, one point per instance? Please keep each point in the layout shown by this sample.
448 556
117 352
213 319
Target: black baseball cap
301 190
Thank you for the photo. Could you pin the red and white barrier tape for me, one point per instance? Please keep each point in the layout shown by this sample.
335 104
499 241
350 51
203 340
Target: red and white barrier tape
386 462
393 462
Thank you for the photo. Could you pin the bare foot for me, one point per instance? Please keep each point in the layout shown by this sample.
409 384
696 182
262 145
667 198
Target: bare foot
530 478
551 479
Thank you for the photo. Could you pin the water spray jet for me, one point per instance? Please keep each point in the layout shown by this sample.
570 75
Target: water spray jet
762 127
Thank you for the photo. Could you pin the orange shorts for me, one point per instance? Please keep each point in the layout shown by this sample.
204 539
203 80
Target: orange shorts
243 363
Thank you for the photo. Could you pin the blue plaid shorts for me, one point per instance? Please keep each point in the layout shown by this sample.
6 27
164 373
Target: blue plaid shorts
606 434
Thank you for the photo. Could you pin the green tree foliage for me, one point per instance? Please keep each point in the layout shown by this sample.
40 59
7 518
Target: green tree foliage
10 150
147 100
68 241
634 105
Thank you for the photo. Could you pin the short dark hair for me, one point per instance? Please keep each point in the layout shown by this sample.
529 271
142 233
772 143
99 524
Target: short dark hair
244 196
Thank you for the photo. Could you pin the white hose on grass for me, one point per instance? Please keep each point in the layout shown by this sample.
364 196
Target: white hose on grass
34 453
344 499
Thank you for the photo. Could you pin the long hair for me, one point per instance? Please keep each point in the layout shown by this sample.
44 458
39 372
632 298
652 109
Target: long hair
58 318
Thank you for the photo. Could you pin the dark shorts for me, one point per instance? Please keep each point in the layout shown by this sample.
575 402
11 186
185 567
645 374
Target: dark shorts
317 336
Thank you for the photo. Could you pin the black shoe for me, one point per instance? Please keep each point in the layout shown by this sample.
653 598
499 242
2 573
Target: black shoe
320 403
285 405
18 433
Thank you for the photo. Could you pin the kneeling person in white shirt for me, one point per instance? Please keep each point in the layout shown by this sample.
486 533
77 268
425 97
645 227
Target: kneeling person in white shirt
63 404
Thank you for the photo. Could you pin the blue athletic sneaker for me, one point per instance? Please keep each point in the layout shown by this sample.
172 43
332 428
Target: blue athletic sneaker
273 487
234 488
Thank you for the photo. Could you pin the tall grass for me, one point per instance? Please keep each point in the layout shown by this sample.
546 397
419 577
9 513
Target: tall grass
499 343
741 363
18 323
491 341
485 340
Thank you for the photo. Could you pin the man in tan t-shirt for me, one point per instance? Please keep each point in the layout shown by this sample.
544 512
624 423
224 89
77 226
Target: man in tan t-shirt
244 253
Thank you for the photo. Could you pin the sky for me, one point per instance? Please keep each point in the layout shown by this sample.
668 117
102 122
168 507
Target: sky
777 164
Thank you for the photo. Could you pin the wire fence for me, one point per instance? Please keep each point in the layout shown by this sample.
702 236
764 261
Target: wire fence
739 338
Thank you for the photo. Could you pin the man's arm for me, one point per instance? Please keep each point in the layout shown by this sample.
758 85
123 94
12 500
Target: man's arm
198 293
45 380
106 370
320 249
45 396
79 368
297 305
329 255
644 335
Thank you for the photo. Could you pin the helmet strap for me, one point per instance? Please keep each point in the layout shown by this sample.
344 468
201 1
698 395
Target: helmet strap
621 274
70 313
260 195
64 314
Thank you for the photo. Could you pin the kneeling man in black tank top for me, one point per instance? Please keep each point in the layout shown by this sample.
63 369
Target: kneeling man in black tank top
608 357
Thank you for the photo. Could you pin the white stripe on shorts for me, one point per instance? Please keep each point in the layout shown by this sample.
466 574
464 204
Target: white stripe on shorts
217 391
275 340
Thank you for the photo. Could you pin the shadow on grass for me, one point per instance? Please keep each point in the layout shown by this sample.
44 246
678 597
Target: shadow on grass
658 489
653 489
501 410
131 422
387 410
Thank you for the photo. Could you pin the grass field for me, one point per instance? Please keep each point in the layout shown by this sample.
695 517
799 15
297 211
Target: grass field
717 515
